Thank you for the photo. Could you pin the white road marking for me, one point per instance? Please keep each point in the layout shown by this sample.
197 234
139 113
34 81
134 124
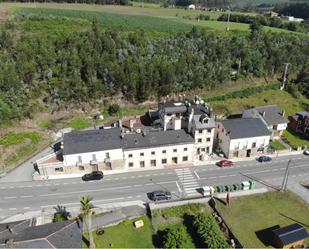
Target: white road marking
26 208
26 196
213 177
85 191
9 197
197 176
138 185
3 187
12 208
77 203
138 196
179 189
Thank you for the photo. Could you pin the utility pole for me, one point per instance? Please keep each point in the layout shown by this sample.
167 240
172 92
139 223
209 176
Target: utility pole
228 20
286 66
286 176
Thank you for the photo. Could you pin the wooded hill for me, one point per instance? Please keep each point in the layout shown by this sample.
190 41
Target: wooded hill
86 66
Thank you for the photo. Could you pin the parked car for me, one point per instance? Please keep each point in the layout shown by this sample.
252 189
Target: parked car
262 159
95 175
306 152
225 163
159 195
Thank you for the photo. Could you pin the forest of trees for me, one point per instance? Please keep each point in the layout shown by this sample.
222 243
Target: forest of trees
86 66
300 10
267 21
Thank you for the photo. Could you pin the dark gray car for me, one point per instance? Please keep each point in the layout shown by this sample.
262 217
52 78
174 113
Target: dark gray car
95 175
160 195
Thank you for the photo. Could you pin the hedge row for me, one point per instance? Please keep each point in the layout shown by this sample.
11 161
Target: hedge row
243 93
209 232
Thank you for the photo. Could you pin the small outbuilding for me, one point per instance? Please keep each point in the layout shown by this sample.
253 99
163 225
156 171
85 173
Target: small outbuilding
292 236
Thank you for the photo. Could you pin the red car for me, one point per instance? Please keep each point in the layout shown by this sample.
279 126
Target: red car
225 163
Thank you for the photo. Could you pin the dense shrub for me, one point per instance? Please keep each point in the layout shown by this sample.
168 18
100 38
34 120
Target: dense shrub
113 109
244 93
175 237
209 231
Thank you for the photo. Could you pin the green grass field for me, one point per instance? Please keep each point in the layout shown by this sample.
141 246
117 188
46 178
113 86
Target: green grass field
17 146
276 145
125 235
128 18
295 140
78 123
250 214
271 97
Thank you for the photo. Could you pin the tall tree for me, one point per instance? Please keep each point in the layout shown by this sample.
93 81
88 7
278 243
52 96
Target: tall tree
86 213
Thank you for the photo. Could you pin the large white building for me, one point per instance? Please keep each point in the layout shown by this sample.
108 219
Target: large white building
181 133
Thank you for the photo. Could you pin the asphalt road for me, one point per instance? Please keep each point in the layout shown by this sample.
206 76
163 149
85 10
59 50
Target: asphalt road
16 198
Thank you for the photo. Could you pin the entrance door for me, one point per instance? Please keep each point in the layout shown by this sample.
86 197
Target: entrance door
175 160
248 153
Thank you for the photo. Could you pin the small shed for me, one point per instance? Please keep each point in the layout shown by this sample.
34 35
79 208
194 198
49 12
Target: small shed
290 236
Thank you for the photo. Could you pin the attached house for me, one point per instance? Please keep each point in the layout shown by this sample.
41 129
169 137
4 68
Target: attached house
272 116
180 133
300 123
242 137
158 149
24 234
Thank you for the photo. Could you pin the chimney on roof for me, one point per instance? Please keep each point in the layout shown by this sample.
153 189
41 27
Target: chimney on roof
120 123
263 113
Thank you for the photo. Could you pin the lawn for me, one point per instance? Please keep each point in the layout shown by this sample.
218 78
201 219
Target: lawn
78 123
13 138
295 140
250 214
125 235
277 145
17 146
177 216
270 97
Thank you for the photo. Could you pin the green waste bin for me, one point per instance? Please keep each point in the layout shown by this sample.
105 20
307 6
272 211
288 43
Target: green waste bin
252 184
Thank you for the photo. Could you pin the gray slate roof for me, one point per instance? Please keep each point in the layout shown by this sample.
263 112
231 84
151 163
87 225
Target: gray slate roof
291 233
245 128
174 107
65 234
92 140
199 125
272 114
156 138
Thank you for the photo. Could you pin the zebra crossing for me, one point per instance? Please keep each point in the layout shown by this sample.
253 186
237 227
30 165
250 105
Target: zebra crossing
188 181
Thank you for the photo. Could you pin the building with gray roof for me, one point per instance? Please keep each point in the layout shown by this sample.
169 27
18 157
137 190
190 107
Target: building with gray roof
272 116
91 141
242 137
156 139
64 234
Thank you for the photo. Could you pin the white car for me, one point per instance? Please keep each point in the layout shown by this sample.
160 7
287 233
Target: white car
306 152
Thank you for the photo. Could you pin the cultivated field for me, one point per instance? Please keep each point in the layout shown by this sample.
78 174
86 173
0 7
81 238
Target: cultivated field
150 18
